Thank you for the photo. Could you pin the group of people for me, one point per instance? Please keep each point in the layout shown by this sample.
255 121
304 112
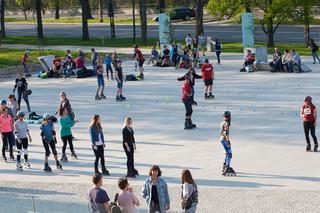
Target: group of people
154 191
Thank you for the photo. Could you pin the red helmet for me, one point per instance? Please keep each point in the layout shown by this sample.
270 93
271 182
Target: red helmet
307 99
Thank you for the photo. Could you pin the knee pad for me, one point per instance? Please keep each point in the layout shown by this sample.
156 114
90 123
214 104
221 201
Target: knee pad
54 151
25 151
19 151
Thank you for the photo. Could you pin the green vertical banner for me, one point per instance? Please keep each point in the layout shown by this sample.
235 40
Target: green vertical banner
164 28
247 30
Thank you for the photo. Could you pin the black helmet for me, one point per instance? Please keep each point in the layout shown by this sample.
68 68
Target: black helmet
227 114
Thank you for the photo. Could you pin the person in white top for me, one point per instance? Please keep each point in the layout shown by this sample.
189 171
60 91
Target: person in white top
189 193
22 134
189 41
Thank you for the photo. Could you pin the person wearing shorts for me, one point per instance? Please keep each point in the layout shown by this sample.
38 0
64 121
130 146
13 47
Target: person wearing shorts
207 76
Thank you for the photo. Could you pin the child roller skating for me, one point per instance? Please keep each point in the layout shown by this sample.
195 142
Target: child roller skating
49 141
207 76
99 69
22 134
188 101
225 141
309 114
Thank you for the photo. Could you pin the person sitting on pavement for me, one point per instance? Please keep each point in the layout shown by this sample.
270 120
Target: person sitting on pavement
69 66
249 59
165 56
154 55
285 60
294 60
276 61
57 66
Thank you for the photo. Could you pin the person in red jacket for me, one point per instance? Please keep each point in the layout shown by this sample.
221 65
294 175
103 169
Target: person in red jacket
139 57
207 76
188 101
309 114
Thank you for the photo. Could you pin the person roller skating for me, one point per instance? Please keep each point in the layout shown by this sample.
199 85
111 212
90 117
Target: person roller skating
309 114
225 141
188 101
207 76
49 141
22 134
119 78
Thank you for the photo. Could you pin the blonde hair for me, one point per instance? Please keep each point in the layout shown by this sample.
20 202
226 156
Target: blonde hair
127 121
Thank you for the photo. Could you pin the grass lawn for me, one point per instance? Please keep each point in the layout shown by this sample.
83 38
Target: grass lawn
97 42
12 57
74 20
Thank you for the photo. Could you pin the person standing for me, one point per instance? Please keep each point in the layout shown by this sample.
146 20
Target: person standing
24 63
100 79
65 104
155 192
189 192
140 59
188 41
13 106
309 114
225 141
6 129
202 41
22 134
314 48
126 199
191 75
94 57
48 135
174 54
22 86
187 101
129 145
207 76
218 47
98 144
97 197
119 79
66 123
108 61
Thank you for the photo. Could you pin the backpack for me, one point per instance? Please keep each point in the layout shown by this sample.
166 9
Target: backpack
131 77
113 207
192 199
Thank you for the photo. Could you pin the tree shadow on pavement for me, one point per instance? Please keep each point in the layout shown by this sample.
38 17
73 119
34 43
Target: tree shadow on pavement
256 175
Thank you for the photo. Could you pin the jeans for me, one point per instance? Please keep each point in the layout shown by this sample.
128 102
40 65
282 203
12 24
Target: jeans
227 147
309 127
99 154
315 56
291 65
191 209
65 140
218 56
130 157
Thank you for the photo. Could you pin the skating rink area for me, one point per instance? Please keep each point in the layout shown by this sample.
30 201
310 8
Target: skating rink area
274 172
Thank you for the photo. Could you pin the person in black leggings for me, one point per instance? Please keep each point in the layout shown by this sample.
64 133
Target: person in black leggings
6 129
97 141
309 114
129 146
22 86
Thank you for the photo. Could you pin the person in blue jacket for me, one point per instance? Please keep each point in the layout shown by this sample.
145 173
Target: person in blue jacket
98 145
155 192
108 61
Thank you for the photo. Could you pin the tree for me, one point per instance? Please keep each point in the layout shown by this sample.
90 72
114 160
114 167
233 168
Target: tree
2 9
57 8
134 20
199 4
161 6
226 9
100 11
274 11
39 18
143 20
88 9
303 13
85 28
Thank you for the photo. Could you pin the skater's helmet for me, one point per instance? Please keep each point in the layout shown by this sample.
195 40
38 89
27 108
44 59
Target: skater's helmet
227 114
307 99
20 114
46 116
3 102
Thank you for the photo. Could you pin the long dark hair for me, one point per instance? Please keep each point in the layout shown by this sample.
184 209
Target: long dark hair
186 177
95 124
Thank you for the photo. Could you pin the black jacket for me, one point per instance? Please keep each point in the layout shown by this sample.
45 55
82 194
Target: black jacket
21 84
128 135
191 77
